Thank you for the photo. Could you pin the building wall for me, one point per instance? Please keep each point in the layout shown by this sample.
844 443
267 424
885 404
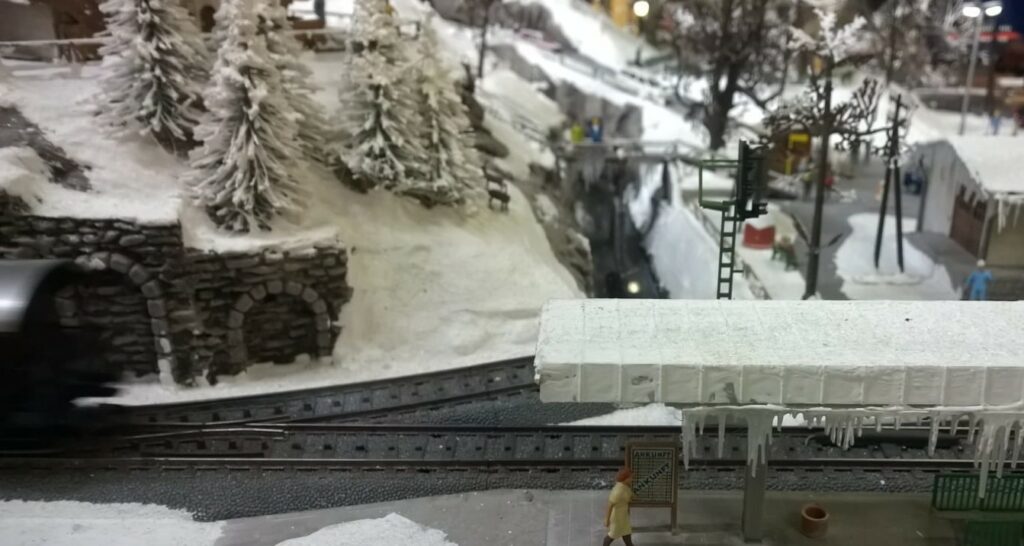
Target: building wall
1006 247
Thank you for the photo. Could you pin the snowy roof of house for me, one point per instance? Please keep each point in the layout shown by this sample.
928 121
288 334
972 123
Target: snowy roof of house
993 160
818 353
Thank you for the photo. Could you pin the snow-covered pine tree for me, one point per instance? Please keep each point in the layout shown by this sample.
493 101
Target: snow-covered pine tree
380 101
156 67
250 166
285 51
453 170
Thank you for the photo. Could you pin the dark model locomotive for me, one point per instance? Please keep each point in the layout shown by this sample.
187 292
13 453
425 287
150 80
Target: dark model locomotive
44 365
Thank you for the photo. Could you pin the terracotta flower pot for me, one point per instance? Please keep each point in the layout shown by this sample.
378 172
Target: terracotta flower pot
813 521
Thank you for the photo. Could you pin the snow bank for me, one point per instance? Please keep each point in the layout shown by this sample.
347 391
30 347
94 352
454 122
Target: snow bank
70 523
130 179
390 530
923 279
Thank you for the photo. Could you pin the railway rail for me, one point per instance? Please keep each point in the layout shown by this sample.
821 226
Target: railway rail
477 446
372 400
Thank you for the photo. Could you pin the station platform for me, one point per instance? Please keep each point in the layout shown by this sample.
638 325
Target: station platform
574 518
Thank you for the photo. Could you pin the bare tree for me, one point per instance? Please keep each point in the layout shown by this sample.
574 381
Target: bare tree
814 112
738 47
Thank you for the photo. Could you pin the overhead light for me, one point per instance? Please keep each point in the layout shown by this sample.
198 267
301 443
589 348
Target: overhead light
633 287
641 8
971 10
993 9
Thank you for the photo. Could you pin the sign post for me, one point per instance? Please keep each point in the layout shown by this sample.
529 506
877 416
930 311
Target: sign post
655 469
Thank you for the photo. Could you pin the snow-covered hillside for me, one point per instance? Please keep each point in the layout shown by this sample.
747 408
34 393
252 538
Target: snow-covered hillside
433 288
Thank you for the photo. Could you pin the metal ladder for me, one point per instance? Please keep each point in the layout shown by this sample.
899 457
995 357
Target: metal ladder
727 252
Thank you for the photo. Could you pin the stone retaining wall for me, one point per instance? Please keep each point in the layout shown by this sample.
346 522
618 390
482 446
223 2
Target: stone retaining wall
158 307
269 306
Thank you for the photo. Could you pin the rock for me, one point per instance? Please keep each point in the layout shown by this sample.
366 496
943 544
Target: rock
119 263
156 308
138 274
244 303
293 288
151 289
309 295
132 240
275 287
490 145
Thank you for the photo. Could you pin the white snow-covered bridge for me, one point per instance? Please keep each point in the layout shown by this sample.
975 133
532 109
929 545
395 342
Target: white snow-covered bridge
843 364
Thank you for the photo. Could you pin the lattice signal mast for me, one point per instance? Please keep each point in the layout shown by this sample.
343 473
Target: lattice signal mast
748 201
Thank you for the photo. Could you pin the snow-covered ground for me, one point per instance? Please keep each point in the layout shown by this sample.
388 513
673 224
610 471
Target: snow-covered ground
70 523
389 530
130 179
922 279
433 288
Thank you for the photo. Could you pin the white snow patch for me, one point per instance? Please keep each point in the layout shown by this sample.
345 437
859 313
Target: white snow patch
130 179
390 530
547 211
656 415
922 279
23 173
71 523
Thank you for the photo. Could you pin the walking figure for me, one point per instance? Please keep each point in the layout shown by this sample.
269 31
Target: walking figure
977 283
616 519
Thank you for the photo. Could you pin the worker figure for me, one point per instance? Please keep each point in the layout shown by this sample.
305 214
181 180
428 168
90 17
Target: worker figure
576 133
595 131
977 283
616 519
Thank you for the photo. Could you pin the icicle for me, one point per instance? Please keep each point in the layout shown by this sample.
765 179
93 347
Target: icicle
933 436
860 427
878 424
688 440
1016 446
898 421
721 436
700 423
970 428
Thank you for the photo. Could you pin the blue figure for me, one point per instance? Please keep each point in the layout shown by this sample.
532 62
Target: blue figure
977 283
595 130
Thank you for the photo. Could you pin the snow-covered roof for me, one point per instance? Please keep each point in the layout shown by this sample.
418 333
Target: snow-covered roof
821 353
993 160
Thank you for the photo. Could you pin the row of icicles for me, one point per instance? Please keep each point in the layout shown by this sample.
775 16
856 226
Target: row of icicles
989 431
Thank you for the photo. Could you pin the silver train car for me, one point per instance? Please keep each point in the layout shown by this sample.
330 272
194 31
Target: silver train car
44 366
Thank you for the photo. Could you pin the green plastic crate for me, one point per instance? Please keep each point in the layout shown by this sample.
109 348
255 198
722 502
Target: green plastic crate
981 533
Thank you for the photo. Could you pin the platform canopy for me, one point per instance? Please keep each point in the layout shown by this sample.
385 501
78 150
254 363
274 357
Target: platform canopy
821 353
840 364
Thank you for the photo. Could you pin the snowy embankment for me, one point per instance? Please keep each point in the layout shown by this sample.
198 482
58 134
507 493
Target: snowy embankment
433 288
922 279
658 415
71 523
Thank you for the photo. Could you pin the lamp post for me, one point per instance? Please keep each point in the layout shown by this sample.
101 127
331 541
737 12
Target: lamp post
974 10
641 9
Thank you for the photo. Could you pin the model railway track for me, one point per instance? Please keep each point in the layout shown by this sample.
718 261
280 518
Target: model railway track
481 445
503 380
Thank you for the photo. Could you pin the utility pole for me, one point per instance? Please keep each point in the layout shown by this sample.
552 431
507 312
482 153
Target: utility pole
814 250
892 179
483 38
970 73
890 67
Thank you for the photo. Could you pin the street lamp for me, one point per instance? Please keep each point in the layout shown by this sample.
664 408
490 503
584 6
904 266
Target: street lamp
975 10
641 8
